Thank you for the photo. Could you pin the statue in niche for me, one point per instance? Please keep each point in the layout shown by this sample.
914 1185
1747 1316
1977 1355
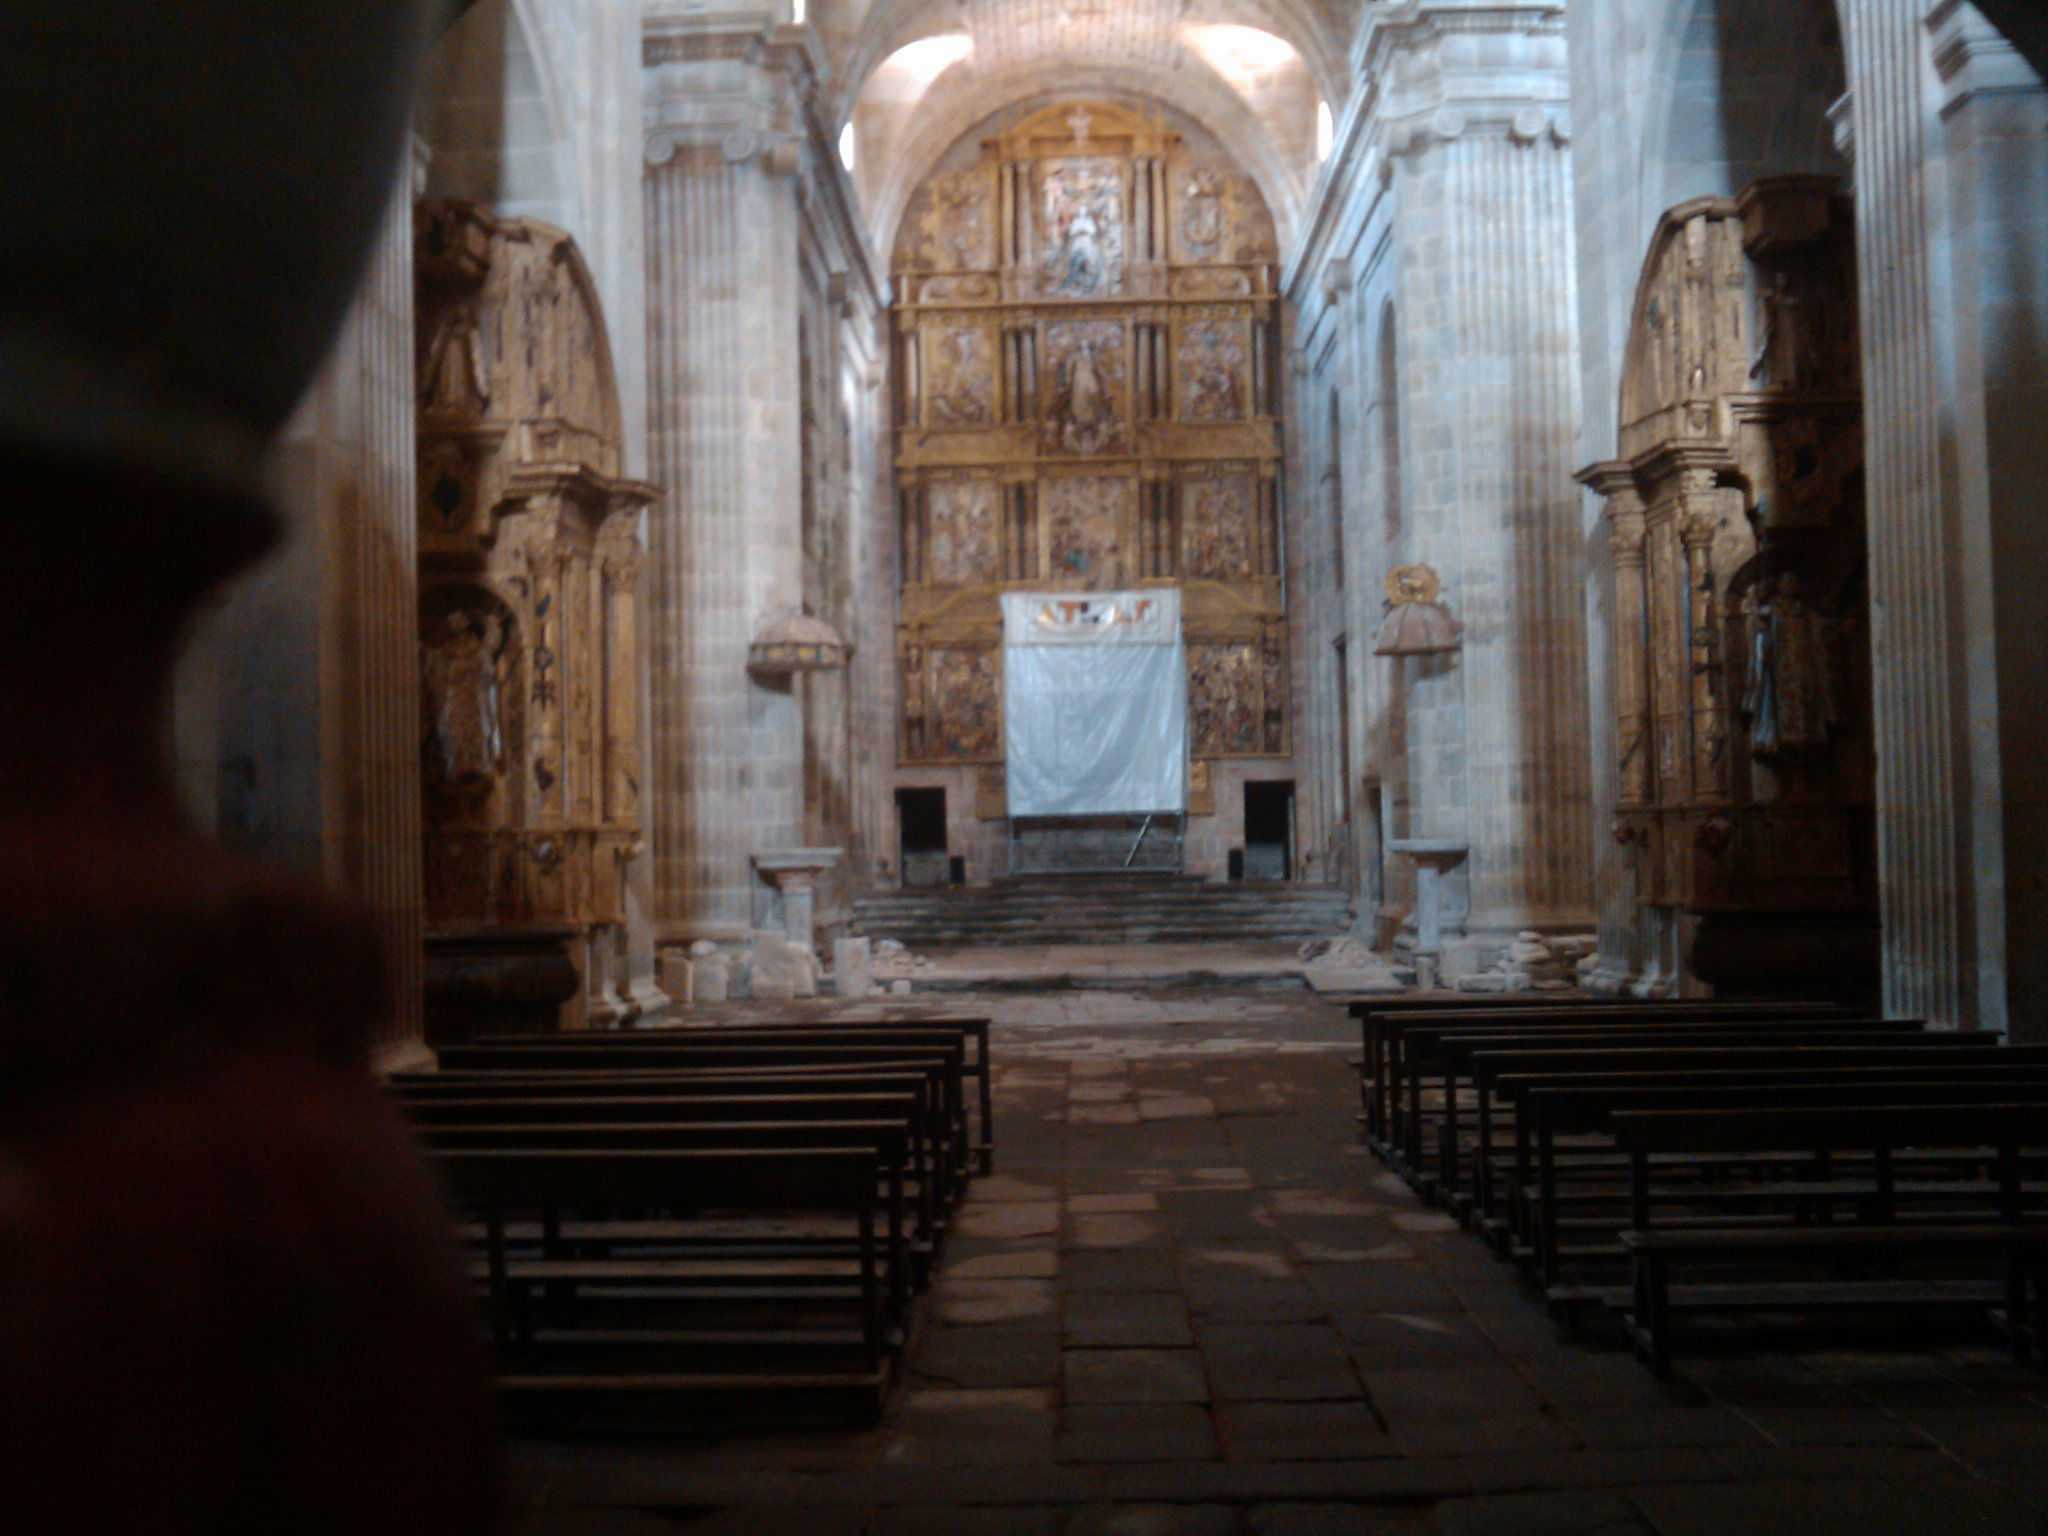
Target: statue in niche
960 385
1080 267
1787 353
1083 221
1201 217
1790 698
1212 362
1083 412
460 671
454 378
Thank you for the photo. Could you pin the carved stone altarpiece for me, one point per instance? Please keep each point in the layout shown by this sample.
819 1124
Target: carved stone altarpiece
529 567
1741 629
1084 347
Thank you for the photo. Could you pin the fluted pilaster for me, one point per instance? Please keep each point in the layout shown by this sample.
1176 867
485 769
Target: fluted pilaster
1921 732
313 661
372 713
725 445
1490 399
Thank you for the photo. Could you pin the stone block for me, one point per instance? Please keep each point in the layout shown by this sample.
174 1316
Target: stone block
710 973
778 969
676 977
1137 1432
852 967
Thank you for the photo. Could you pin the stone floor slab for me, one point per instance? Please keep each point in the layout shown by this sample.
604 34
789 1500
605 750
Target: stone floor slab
1137 1321
1134 1376
1136 1432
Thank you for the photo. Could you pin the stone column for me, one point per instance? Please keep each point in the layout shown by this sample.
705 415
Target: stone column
1953 271
724 140
315 658
1490 415
1992 110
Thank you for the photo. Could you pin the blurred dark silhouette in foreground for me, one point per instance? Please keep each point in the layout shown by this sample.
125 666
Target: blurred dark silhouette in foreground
226 1298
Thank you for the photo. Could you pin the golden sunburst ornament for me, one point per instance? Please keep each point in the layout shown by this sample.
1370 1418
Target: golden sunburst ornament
1413 584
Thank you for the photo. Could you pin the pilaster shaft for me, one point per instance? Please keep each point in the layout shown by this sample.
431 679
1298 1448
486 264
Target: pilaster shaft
1490 417
724 136
1922 767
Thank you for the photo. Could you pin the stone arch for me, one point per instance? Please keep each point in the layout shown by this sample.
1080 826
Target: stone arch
961 100
890 24
1749 87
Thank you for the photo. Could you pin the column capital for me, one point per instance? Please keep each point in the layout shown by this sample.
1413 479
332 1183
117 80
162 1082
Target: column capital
1458 67
732 84
1615 480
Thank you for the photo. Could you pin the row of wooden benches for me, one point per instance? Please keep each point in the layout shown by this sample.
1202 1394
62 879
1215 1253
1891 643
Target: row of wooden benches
676 1216
1777 1156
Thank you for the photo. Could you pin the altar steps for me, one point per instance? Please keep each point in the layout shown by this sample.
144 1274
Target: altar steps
1103 909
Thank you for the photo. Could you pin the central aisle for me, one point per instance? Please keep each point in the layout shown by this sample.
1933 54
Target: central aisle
1190 1302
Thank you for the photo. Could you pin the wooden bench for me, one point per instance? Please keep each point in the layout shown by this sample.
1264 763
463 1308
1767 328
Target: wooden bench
667 1328
2000 1247
1491 1064
636 1054
1383 1021
1439 1058
1501 1092
888 1138
1589 1111
939 1179
972 1029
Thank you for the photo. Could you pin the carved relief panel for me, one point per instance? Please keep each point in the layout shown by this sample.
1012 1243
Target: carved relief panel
1742 698
529 555
1084 330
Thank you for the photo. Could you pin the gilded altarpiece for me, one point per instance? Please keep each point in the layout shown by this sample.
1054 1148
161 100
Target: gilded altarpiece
529 569
1743 748
1085 335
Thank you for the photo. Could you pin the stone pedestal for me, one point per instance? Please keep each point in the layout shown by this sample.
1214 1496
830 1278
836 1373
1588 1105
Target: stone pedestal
795 873
1434 858
852 967
490 981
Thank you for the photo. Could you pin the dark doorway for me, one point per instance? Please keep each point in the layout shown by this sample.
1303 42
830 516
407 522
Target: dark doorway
1269 829
921 835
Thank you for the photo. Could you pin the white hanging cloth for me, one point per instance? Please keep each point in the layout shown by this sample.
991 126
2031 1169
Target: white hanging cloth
1095 703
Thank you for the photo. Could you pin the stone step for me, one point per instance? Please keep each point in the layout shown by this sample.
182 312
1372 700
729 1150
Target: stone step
1110 909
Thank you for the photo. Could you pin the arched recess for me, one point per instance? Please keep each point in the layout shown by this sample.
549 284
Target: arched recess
1751 84
962 98
492 116
1086 333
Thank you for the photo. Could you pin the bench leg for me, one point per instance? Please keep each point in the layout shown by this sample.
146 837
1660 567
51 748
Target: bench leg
1659 1299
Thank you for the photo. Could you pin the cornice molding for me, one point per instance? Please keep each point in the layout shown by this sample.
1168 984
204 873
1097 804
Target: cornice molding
778 125
1412 99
